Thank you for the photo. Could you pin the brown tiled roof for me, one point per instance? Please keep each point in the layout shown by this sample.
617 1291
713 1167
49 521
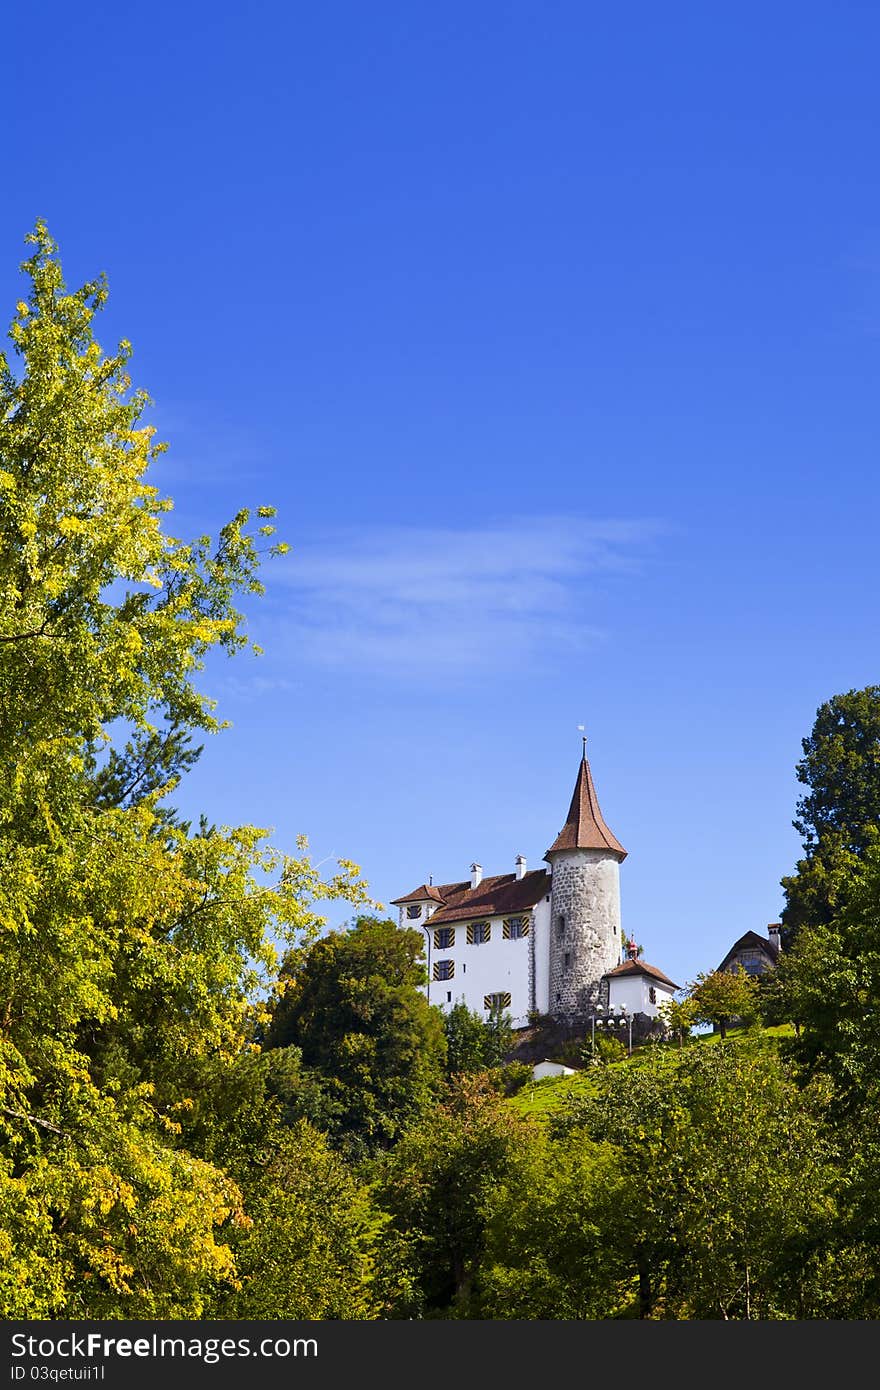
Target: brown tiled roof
438 893
638 967
751 941
493 897
585 827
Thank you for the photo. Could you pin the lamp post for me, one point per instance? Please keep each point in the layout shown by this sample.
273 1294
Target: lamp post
611 1020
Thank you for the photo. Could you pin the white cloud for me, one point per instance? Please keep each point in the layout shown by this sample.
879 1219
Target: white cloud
417 601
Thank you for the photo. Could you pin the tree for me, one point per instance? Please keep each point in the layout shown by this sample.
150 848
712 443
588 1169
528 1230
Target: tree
839 816
831 987
547 1253
474 1043
727 1206
434 1183
720 996
310 1247
133 952
465 1040
829 983
352 1004
678 1018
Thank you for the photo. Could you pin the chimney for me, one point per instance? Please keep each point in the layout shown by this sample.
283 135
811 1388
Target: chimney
520 866
476 875
774 931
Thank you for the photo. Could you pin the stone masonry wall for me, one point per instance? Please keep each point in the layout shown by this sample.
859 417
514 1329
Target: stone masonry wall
586 943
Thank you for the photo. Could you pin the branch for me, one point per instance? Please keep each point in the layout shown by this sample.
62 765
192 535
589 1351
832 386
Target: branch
32 1119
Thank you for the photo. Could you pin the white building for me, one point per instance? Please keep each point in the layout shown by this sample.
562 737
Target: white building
538 942
638 988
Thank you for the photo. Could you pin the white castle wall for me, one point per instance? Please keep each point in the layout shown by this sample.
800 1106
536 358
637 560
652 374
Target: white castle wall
492 967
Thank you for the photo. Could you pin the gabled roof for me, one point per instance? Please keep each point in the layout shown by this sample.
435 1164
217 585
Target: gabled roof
436 893
585 827
751 941
638 967
494 897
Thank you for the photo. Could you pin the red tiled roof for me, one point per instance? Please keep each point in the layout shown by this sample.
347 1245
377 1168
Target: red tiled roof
437 893
585 828
493 897
638 967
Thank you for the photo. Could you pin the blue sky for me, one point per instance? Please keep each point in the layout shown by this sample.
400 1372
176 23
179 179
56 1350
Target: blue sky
553 332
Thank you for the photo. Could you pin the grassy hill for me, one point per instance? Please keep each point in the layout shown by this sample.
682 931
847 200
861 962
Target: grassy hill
539 1099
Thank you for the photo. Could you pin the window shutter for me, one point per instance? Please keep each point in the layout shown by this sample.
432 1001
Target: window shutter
496 1001
515 927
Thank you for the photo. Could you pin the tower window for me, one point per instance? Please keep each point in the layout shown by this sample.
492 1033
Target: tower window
414 910
444 938
567 960
560 928
444 969
652 995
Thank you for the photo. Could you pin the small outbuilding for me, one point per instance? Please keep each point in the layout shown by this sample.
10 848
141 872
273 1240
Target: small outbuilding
545 1068
638 988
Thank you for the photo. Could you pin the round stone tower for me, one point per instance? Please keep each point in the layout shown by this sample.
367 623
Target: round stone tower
585 861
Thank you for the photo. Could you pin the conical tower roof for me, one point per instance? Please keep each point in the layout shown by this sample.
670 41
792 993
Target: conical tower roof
585 827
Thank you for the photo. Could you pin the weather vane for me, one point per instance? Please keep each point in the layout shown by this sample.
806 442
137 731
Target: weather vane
583 731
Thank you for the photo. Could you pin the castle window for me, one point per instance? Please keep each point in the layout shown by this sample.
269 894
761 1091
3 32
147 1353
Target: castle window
496 1001
567 960
478 933
449 996
560 928
652 995
444 938
414 910
444 969
515 927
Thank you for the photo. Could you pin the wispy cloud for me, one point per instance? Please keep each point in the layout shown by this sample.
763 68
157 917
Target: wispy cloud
421 601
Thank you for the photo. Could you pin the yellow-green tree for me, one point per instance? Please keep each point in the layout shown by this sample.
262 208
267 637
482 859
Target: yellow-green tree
132 951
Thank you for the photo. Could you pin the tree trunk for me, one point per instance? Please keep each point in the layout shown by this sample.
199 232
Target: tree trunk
646 1298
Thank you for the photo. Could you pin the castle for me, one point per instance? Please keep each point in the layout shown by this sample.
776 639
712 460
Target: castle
539 942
